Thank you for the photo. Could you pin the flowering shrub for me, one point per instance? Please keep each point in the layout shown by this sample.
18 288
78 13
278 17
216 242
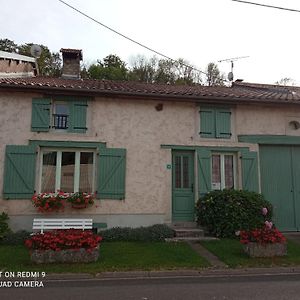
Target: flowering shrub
263 235
64 239
223 212
80 198
48 202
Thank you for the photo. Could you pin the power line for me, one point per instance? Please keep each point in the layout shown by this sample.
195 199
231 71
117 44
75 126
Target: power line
265 5
128 38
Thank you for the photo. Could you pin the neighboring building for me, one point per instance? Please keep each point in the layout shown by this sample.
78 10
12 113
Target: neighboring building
147 150
13 65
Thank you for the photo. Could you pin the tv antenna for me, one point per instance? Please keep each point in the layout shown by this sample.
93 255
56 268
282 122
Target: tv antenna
230 74
36 52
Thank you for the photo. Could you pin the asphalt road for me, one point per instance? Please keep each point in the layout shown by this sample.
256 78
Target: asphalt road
186 288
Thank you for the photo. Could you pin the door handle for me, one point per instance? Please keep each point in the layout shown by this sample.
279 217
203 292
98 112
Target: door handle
192 187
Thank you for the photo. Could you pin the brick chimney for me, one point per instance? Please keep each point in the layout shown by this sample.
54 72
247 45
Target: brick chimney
71 63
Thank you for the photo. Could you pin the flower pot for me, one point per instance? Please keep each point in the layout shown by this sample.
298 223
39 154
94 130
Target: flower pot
78 206
65 256
265 250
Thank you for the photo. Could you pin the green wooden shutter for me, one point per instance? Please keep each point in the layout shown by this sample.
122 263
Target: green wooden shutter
111 174
77 119
223 123
204 171
250 171
207 123
19 172
40 118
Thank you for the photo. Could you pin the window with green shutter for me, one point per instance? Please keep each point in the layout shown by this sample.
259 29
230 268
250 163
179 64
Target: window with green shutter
71 169
61 113
218 169
215 122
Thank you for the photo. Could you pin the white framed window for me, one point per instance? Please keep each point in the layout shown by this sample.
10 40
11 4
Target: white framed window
68 170
224 172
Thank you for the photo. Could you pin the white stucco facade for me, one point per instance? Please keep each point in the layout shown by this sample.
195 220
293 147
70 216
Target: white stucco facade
140 128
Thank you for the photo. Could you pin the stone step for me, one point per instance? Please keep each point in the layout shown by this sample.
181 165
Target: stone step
189 232
175 225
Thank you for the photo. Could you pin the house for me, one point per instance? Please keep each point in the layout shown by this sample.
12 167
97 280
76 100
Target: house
14 65
148 151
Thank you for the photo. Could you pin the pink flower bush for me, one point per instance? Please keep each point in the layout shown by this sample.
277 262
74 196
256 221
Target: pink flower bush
264 211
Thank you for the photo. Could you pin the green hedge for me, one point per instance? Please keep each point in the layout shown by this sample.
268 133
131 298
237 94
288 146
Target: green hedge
4 228
15 238
225 212
145 234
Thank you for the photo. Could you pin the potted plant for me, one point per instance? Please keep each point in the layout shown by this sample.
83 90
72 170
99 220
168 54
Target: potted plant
266 241
80 199
67 246
49 202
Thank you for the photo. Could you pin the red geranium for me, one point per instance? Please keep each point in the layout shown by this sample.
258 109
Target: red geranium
64 239
265 235
49 202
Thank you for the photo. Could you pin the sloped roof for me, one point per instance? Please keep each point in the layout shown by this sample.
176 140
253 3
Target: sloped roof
238 93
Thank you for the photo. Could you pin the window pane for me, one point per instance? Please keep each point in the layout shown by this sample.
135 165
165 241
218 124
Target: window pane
86 172
229 180
177 171
48 172
67 171
185 172
216 172
61 109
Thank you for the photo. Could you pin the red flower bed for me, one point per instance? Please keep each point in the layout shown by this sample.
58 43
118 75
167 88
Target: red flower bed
64 239
265 235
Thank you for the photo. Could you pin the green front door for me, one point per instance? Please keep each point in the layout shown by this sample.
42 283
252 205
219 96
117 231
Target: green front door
280 171
183 197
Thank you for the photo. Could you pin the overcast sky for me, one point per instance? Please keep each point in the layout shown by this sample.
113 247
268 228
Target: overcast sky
200 31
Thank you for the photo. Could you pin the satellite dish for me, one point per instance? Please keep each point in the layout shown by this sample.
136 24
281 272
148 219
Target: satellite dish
35 51
230 76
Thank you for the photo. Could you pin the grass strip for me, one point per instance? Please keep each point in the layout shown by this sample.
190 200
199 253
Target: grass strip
231 253
114 256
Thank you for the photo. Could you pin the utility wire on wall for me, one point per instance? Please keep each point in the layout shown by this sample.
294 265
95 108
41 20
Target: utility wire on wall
128 38
266 5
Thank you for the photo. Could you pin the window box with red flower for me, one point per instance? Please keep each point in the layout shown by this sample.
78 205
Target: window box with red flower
80 199
49 202
53 202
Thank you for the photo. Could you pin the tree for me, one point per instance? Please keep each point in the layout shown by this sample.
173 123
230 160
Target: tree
112 68
49 63
285 81
166 71
8 45
214 76
143 69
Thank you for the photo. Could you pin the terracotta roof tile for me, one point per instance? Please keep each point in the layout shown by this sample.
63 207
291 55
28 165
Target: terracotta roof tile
239 92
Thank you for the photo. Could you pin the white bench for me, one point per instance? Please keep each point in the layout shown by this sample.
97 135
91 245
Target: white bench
50 224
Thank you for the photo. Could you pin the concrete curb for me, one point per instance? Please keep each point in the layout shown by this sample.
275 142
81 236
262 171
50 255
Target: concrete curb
176 273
